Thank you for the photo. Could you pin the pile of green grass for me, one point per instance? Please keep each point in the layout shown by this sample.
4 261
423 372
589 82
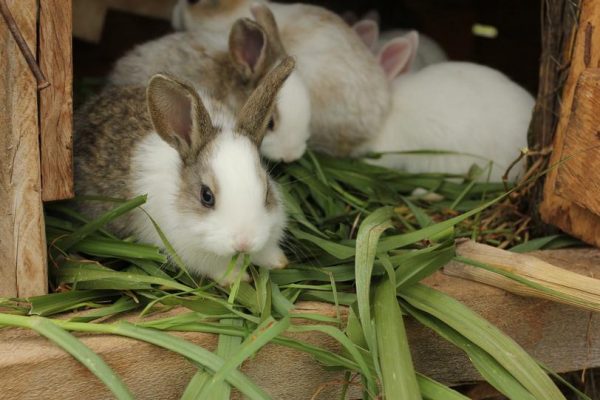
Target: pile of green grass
356 238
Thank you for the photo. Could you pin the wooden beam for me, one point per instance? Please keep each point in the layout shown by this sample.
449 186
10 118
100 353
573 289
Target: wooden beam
581 53
560 336
22 238
56 101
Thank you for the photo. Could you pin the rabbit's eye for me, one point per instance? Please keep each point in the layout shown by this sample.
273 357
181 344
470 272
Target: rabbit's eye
271 124
207 197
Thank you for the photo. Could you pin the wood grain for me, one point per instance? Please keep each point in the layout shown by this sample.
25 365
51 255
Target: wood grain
56 102
556 209
562 337
22 238
578 178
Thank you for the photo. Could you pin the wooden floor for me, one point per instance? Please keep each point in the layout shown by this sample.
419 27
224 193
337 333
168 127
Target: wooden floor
562 337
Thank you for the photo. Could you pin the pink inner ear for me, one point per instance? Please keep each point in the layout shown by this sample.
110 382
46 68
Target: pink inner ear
396 57
179 115
253 47
368 31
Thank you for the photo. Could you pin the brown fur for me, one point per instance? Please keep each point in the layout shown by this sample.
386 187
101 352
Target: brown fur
218 73
117 119
254 116
110 126
169 101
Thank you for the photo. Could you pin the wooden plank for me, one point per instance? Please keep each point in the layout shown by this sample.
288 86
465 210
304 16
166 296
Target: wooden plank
22 238
583 54
56 101
558 335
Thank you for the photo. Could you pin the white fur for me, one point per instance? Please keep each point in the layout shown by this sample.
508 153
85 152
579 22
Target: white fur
287 141
207 242
459 107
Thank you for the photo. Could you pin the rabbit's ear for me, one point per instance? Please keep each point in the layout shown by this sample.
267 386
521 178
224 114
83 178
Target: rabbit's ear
368 31
178 115
265 18
397 55
256 113
374 16
248 48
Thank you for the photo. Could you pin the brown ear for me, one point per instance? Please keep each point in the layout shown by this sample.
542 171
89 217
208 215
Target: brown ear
248 48
178 115
265 18
257 111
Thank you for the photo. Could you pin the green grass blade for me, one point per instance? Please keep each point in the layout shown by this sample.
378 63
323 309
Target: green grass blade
263 334
68 242
433 390
488 367
398 373
502 348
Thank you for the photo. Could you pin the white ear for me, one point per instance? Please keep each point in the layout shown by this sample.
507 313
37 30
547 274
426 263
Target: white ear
368 31
397 55
373 15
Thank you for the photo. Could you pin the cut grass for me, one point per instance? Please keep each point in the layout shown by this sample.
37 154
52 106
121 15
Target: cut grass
356 237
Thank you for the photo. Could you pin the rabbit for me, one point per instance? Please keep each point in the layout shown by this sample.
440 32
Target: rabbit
428 50
229 75
200 167
452 106
349 95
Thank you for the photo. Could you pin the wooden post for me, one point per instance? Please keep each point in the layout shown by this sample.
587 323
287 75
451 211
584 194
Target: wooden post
559 23
22 238
56 101
576 137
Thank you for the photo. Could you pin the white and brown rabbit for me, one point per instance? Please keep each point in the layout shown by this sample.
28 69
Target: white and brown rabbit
198 164
348 92
229 75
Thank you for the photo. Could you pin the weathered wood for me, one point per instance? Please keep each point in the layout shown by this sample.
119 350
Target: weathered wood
556 209
559 20
56 102
560 336
578 178
22 237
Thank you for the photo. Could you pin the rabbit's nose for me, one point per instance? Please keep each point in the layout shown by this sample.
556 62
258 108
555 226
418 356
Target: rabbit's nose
242 245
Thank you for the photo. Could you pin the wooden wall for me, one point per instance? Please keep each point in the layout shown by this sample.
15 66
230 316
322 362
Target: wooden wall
35 139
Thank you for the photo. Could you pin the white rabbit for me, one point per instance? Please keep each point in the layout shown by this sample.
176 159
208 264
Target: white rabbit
453 106
229 75
199 166
428 50
349 95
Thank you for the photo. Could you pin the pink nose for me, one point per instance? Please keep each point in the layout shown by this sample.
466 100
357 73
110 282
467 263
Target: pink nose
242 245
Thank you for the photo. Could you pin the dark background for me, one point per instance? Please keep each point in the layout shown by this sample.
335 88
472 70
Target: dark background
515 51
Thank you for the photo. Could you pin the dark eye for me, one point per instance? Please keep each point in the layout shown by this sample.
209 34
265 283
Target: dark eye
192 2
271 124
207 197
